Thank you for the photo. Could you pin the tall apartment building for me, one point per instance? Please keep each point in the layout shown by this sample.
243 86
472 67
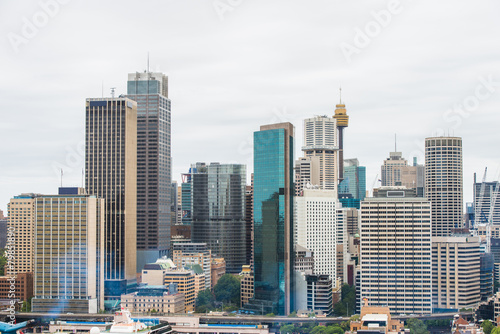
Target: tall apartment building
320 140
315 228
444 183
21 211
456 272
218 211
193 253
487 203
154 164
273 218
396 252
69 242
111 173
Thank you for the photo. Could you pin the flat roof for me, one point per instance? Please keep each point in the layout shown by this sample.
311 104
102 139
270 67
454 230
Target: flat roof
375 317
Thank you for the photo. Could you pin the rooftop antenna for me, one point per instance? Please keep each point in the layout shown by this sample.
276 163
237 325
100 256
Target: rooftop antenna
61 176
340 89
82 179
113 92
148 61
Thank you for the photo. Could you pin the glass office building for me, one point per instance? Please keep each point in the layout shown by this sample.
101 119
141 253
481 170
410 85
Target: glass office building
273 212
218 211
154 165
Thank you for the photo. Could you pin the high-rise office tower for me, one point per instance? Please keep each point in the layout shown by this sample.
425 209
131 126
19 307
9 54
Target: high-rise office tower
111 173
354 182
456 272
249 223
316 228
154 164
21 211
342 122
391 169
397 172
218 211
69 241
396 252
320 141
487 202
273 218
444 183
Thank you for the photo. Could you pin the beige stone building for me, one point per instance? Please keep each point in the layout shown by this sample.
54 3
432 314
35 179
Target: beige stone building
68 243
160 299
22 222
455 270
376 318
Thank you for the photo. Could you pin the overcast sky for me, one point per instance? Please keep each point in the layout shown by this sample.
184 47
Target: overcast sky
415 68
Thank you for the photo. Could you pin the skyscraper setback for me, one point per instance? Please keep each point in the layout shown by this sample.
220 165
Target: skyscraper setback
444 183
154 164
111 173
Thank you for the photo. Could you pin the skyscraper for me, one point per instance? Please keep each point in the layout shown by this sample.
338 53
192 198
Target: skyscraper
487 203
111 173
154 164
397 172
218 212
273 212
316 228
320 140
69 240
354 182
396 252
444 183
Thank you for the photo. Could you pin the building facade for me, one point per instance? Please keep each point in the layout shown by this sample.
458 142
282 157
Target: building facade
354 182
320 140
218 212
273 218
154 164
194 253
247 281
456 273
69 244
111 173
396 253
487 203
315 228
444 183
162 299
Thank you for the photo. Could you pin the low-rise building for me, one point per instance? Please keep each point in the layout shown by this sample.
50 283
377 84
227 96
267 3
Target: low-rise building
218 269
376 319
246 287
155 298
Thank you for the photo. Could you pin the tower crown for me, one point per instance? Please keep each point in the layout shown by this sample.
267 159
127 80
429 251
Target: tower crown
341 115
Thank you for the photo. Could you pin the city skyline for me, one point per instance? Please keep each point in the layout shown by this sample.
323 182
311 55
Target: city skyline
229 79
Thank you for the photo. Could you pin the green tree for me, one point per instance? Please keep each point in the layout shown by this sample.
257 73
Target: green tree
347 303
205 301
270 315
496 330
319 330
416 326
287 329
487 326
227 289
335 329
293 314
3 261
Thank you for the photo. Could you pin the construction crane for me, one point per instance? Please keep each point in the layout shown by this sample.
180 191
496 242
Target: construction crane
374 182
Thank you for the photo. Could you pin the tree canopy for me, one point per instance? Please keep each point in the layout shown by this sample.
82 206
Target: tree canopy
347 303
416 326
227 289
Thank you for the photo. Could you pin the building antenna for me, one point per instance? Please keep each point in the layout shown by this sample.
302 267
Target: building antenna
340 89
61 176
113 92
148 61
82 178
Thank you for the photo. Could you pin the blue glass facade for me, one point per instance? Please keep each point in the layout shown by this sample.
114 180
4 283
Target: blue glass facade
354 182
273 159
